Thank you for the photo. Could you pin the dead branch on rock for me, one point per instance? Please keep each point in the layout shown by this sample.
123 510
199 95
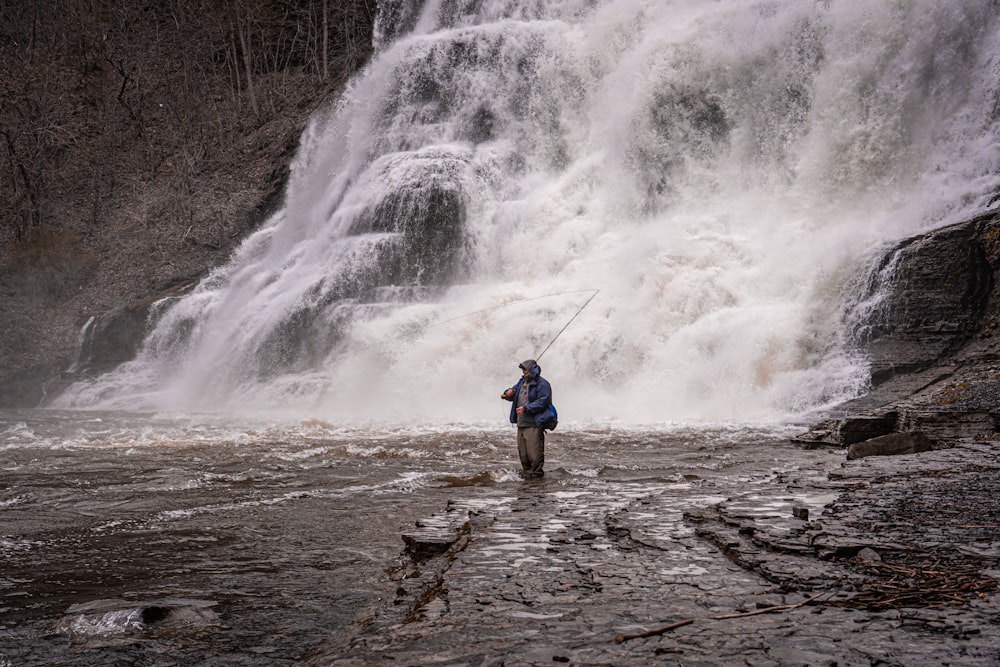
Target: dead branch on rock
931 586
688 621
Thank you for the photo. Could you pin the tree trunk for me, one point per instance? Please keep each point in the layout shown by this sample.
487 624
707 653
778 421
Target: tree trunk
326 41
243 27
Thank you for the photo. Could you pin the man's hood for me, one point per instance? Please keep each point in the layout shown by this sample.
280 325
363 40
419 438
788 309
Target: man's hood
530 365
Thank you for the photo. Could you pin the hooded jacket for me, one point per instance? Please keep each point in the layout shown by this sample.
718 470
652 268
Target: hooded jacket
539 394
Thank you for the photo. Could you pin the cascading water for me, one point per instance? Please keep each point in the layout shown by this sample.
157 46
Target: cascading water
721 171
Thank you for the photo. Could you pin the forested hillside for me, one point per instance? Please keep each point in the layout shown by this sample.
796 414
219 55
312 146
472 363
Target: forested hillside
139 142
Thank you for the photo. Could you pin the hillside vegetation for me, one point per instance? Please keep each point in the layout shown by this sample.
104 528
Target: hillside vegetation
139 142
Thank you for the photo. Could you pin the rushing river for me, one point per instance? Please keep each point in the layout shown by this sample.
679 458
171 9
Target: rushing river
274 537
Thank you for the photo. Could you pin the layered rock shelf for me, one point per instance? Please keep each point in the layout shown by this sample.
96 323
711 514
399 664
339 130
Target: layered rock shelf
883 560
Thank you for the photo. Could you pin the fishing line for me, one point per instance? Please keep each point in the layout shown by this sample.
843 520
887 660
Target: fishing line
595 293
514 303
492 308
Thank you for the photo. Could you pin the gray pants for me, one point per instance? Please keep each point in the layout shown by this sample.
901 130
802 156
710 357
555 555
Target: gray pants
531 450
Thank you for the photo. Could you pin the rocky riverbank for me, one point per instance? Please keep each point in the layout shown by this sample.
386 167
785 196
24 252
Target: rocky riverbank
884 560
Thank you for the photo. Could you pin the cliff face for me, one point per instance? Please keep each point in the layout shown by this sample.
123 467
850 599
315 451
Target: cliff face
939 292
930 327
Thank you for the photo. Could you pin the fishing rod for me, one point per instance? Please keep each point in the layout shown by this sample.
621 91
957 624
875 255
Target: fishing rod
569 322
586 303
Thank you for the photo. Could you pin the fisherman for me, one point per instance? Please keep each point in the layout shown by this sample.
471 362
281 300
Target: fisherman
531 398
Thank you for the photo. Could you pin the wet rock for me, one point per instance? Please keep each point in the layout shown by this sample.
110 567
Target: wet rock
945 425
108 339
822 434
861 428
849 430
549 577
117 622
929 326
893 444
436 534
937 289
908 522
114 336
424 209
869 554
30 387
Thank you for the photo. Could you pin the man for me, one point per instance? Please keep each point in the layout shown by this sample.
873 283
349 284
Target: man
530 398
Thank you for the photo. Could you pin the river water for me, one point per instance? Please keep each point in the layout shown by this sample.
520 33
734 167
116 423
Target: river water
266 539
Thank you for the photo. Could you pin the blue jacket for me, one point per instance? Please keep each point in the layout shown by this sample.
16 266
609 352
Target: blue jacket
539 396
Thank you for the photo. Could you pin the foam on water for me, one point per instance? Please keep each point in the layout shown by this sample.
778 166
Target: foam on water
722 171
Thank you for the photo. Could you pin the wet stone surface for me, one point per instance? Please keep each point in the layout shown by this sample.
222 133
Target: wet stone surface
897 557
118 622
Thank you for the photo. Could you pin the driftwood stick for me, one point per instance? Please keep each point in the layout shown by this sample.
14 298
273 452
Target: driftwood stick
688 621
658 631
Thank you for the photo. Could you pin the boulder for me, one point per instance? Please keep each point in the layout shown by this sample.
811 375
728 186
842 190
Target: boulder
911 442
118 622
848 430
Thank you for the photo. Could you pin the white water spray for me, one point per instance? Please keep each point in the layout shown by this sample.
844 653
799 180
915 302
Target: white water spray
720 170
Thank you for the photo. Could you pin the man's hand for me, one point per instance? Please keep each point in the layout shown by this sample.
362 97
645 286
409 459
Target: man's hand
507 394
520 410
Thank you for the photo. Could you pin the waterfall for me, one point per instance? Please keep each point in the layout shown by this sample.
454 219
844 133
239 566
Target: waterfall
721 170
